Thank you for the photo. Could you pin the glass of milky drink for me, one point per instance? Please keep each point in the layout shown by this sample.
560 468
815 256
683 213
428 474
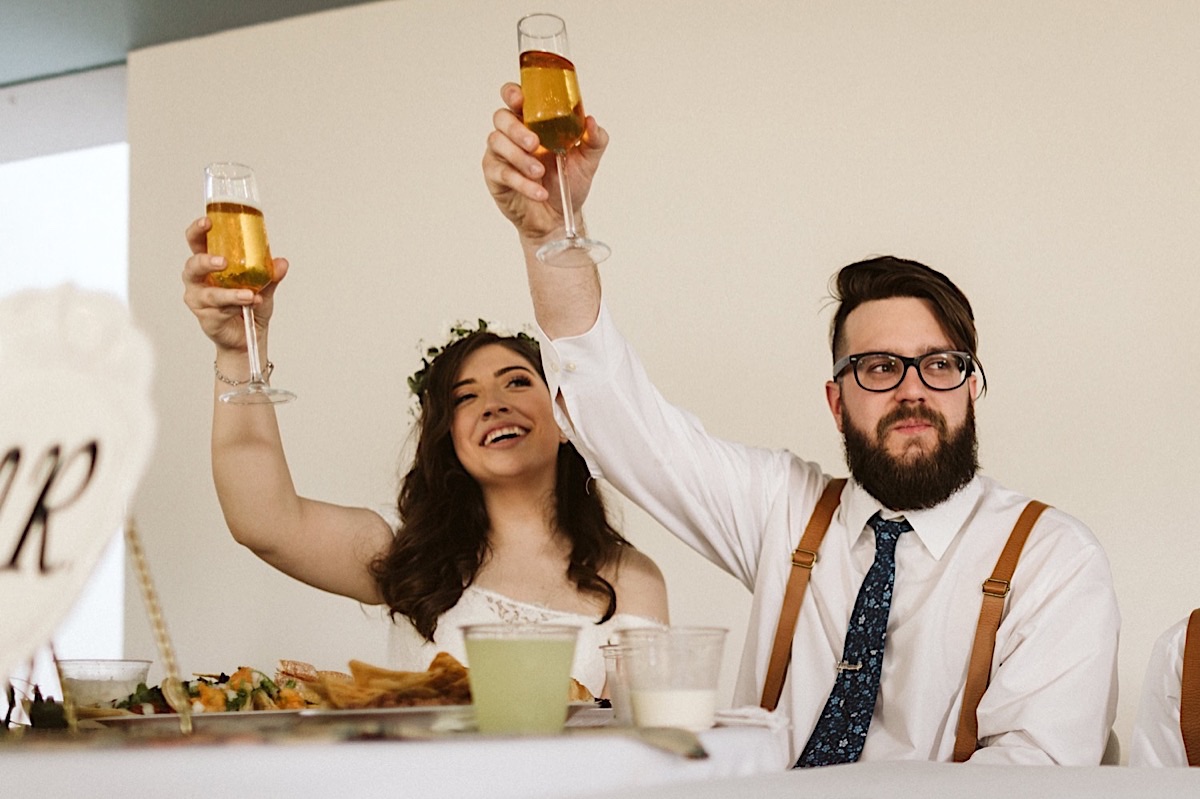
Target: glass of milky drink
520 676
673 675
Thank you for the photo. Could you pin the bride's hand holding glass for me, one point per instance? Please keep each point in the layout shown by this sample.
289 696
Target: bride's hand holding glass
237 232
219 310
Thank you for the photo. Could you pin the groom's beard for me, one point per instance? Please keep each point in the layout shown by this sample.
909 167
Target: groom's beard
912 481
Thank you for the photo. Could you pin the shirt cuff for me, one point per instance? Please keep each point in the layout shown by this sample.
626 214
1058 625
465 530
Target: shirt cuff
573 362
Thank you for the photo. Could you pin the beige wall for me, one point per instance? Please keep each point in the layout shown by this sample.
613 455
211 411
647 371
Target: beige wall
1043 154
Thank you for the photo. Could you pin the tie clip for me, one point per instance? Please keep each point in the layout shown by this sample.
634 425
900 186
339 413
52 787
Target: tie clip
844 666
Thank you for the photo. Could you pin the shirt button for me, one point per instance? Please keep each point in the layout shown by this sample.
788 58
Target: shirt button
554 366
570 366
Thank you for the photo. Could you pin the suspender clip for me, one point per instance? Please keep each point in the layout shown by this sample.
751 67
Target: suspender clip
804 558
996 588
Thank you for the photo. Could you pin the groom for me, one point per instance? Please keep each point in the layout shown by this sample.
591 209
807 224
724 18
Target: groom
879 652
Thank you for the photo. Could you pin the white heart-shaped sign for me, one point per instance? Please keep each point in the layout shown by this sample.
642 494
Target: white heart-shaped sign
76 430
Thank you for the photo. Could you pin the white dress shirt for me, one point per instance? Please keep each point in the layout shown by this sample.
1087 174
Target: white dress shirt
1157 739
1052 695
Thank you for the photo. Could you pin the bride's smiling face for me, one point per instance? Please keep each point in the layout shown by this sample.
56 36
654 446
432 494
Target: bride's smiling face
503 425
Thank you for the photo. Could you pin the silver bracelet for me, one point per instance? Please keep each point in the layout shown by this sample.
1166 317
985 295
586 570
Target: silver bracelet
266 375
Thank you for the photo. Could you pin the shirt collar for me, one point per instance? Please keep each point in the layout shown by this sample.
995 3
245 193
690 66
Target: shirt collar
936 527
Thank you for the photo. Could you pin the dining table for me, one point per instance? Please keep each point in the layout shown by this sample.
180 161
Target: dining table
592 755
925 780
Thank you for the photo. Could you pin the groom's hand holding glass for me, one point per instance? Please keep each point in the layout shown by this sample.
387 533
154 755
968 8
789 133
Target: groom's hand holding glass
553 109
522 176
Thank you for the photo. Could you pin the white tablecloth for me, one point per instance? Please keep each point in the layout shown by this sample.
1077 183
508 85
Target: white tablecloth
469 766
919 780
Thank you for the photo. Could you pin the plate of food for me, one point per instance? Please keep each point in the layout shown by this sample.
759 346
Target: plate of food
375 700
368 701
247 698
217 723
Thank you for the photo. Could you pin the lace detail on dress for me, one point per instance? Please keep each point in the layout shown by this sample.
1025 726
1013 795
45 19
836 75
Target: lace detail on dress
512 611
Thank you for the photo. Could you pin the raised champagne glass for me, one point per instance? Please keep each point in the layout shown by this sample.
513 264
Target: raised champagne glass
554 111
239 234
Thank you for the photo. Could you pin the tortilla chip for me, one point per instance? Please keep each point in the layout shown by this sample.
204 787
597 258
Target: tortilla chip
443 683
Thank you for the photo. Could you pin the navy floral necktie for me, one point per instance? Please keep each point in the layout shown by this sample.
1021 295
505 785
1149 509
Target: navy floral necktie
841 730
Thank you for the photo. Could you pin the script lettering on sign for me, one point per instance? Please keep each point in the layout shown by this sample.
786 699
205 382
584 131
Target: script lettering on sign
59 488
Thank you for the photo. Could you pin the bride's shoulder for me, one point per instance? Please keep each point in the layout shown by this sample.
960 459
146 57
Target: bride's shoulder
635 564
641 589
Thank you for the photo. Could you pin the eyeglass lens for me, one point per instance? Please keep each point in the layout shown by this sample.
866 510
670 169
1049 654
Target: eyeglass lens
938 370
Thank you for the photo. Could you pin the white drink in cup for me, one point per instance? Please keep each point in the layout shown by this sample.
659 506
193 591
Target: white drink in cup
673 675
690 708
520 675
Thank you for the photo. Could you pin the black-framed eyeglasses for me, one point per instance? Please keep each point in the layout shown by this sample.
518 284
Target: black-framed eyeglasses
883 371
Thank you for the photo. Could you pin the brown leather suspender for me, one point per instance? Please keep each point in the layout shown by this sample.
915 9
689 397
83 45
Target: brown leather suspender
802 563
995 589
1189 694
979 670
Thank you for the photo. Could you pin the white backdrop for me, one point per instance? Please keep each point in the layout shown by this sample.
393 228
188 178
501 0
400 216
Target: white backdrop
1044 155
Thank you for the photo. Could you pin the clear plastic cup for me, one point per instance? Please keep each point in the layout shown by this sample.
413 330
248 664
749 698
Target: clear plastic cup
615 672
520 675
673 675
95 683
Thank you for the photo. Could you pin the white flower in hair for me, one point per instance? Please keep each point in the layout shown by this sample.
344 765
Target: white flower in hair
458 331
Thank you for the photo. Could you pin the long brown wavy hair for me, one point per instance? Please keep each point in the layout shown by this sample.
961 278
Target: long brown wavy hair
443 536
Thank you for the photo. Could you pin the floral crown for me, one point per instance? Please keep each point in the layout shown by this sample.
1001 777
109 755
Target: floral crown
458 331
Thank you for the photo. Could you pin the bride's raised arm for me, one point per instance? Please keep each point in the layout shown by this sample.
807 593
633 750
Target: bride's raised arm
327 546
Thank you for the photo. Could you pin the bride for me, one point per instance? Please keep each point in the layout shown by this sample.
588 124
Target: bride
496 517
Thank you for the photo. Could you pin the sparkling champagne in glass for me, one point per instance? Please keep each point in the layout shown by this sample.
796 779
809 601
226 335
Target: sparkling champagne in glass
239 234
554 111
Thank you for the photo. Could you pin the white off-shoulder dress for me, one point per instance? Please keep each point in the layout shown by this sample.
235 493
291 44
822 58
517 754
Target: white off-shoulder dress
408 651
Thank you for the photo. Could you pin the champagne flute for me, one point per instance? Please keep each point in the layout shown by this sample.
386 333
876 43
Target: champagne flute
554 111
239 234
